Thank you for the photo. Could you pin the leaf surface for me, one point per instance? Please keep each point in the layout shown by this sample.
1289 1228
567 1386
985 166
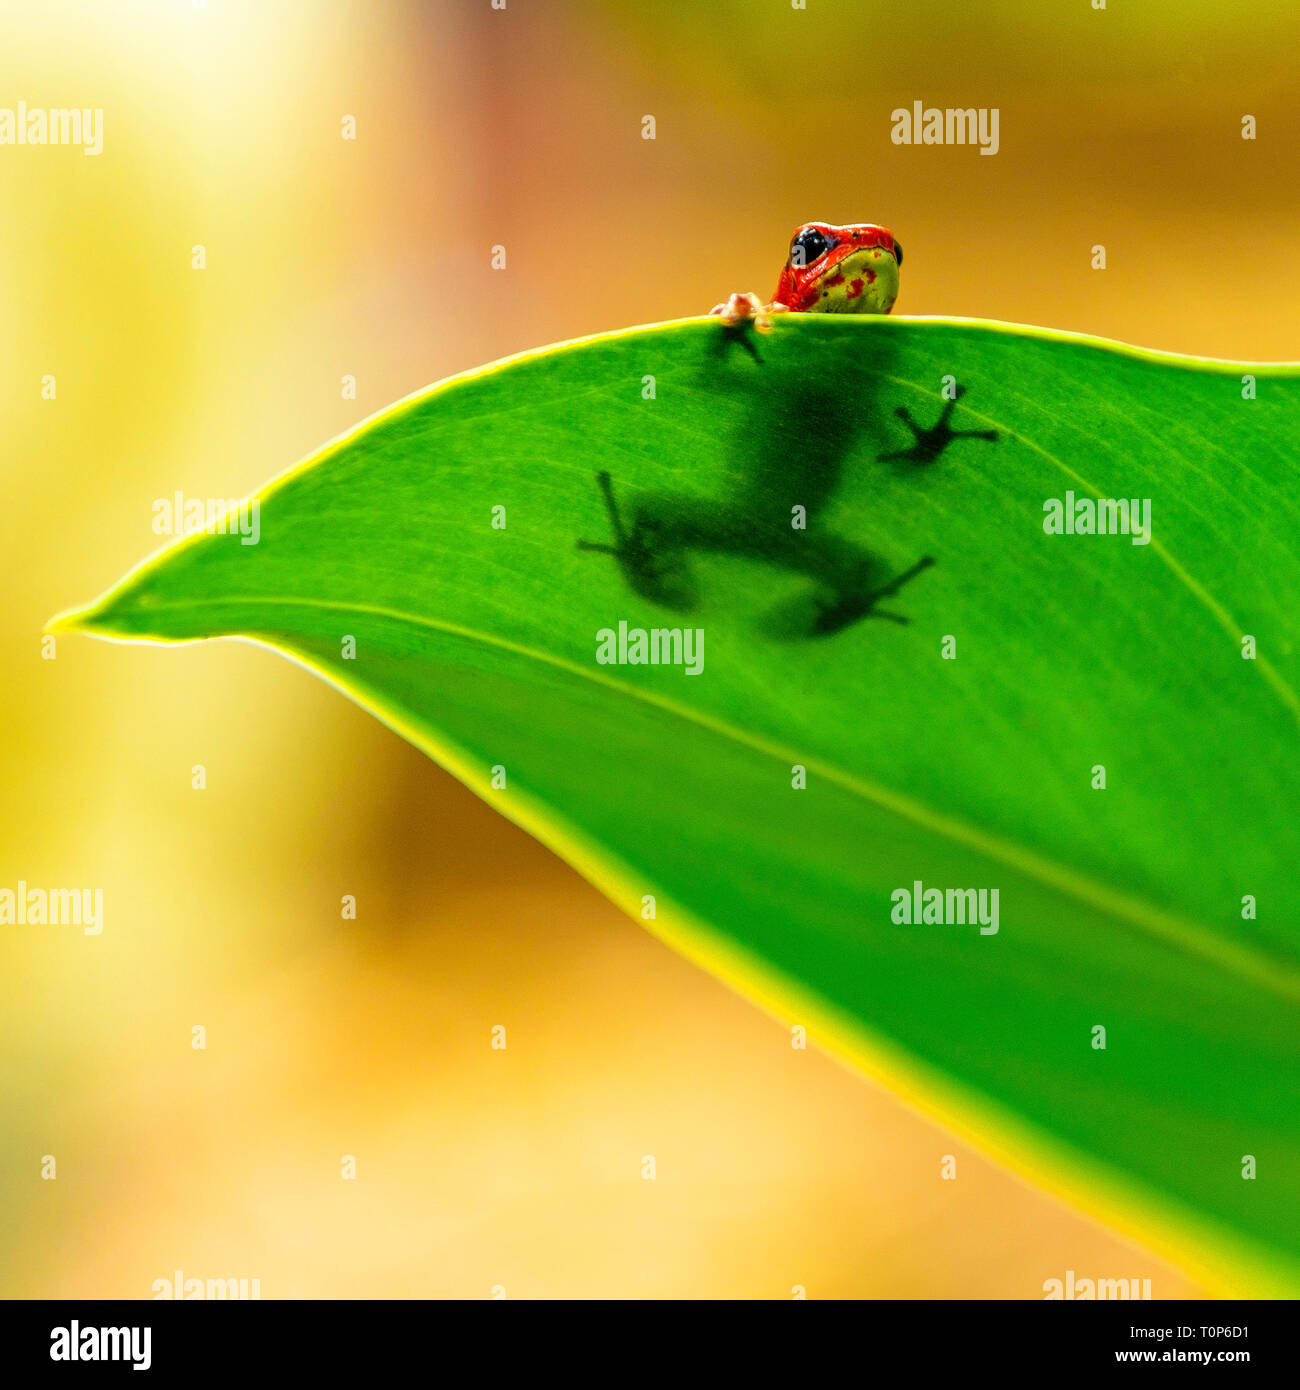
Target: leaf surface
1118 908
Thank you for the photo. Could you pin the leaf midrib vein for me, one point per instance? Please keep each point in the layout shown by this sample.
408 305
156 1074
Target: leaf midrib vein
1276 976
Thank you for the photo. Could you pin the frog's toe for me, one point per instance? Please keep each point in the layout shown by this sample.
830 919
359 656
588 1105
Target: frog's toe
741 308
763 319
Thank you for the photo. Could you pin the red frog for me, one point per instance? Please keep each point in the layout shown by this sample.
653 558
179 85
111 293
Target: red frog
830 270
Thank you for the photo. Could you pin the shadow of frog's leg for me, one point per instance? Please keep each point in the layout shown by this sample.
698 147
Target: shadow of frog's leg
930 443
650 556
853 605
850 581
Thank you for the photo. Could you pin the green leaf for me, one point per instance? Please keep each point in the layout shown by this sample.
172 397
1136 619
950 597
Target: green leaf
1119 908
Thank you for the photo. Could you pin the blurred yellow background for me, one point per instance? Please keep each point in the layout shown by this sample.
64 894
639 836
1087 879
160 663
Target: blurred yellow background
327 257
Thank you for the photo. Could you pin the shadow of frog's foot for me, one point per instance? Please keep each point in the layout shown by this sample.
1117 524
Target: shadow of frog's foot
650 564
930 443
852 607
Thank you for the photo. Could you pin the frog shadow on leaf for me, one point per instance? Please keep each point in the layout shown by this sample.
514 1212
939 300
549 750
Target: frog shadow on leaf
780 468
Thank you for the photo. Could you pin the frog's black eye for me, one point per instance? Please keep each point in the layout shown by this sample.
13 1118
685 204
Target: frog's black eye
898 253
808 245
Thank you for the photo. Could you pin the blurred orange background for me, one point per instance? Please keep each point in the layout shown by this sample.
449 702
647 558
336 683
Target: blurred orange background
480 1169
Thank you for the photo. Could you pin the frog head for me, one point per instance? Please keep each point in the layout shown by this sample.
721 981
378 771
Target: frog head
841 270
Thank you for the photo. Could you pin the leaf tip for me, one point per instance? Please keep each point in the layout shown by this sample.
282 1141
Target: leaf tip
93 620
71 620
